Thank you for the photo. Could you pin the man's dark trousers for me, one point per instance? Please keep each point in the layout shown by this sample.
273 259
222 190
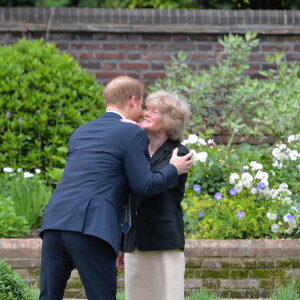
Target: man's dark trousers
94 259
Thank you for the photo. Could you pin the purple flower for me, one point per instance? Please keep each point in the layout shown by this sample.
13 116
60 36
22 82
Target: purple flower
261 186
232 192
240 215
193 291
243 171
218 196
121 279
186 285
20 121
290 217
8 114
195 283
200 214
197 188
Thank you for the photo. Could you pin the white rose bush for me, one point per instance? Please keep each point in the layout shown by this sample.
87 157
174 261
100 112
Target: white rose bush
243 191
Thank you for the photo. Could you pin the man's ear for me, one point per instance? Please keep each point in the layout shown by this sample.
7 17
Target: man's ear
132 101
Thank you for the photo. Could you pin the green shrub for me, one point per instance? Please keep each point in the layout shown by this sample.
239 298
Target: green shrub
12 286
248 108
11 225
44 96
28 194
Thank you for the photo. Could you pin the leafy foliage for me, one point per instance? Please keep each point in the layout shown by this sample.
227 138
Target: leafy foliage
44 96
26 196
161 4
12 286
250 108
11 225
244 191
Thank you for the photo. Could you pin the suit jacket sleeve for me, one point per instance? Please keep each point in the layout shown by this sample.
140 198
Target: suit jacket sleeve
137 168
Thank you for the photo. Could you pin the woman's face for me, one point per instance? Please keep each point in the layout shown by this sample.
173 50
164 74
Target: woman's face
153 120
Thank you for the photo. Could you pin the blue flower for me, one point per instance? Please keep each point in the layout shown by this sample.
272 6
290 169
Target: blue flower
218 196
261 186
200 214
243 171
20 121
8 114
232 192
240 215
197 188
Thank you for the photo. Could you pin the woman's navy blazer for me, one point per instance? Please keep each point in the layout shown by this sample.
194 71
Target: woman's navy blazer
106 158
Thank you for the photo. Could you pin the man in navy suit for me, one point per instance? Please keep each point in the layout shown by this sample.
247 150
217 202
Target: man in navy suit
81 226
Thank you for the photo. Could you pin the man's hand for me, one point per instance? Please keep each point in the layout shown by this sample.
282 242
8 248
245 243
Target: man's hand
120 260
130 121
182 163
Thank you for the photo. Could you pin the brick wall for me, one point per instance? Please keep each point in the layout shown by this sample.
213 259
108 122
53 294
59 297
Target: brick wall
140 43
252 267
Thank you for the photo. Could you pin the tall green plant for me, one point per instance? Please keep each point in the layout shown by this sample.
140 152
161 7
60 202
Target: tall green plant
279 97
44 96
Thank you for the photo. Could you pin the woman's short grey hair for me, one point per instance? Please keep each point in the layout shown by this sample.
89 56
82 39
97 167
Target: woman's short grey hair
175 110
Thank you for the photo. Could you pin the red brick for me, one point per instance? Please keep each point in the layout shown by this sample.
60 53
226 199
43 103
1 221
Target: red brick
260 248
109 66
107 75
205 56
83 46
136 47
109 47
154 75
134 66
276 48
156 56
110 56
133 56
85 55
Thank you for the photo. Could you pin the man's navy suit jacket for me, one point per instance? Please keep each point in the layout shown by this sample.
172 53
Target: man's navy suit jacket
106 158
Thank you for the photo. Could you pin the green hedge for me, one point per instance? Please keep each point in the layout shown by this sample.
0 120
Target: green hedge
44 96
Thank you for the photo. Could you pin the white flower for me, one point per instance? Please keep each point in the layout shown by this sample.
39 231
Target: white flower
263 176
276 152
192 139
282 146
247 177
287 200
233 178
274 228
283 186
210 142
294 155
277 165
245 168
201 141
8 170
289 230
255 165
28 175
184 142
202 156
271 216
248 184
37 171
19 170
238 188
254 191
291 138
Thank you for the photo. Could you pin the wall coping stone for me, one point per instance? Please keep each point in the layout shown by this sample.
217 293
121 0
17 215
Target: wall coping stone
290 248
36 19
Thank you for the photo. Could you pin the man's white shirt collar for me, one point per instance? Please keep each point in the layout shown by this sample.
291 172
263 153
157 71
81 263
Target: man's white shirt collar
113 111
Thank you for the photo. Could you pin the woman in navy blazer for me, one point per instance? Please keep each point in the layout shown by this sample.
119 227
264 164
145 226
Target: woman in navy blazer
81 226
154 245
